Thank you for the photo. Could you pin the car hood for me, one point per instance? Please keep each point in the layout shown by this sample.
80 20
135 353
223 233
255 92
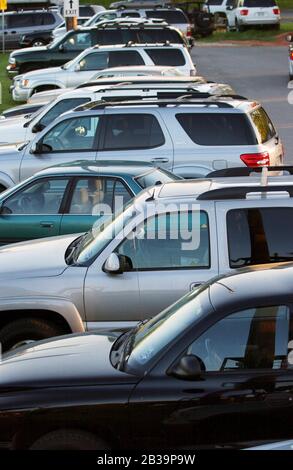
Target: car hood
43 257
28 49
12 130
42 72
9 149
64 361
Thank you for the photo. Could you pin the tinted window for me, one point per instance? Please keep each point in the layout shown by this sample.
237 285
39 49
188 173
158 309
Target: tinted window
20 21
72 134
162 56
263 124
124 58
132 131
60 108
130 14
111 36
44 19
171 17
263 235
215 2
78 41
259 341
94 61
42 197
157 35
217 129
161 242
259 3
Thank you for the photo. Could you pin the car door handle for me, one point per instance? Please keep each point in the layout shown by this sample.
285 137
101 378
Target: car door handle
160 160
194 285
46 224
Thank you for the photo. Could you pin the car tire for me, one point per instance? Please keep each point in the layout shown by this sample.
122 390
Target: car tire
37 43
69 439
24 331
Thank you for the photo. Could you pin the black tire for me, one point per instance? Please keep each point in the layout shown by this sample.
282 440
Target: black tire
22 331
37 43
69 439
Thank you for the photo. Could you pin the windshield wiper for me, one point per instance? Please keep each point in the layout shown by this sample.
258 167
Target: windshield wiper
71 249
128 345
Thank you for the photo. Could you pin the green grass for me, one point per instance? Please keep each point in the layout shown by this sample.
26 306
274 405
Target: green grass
6 101
285 4
249 34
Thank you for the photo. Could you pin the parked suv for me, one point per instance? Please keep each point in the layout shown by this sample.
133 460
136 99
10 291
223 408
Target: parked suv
168 241
74 42
84 66
190 137
16 24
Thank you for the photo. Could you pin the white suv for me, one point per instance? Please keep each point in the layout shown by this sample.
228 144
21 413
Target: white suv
84 66
243 13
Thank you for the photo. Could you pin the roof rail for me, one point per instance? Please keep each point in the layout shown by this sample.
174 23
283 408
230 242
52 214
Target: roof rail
247 171
101 104
241 192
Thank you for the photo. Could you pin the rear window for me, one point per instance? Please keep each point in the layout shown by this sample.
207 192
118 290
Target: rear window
124 58
217 129
172 57
259 3
259 235
171 17
264 126
132 131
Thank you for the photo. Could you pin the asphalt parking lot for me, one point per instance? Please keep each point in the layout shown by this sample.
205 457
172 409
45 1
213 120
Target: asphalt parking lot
255 72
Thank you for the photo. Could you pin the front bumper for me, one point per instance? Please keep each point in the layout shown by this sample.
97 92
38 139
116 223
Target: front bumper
20 94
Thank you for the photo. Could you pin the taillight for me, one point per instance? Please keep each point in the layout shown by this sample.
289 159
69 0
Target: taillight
276 11
291 55
189 33
244 12
256 159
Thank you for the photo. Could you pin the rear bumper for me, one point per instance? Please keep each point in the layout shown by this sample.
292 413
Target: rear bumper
247 21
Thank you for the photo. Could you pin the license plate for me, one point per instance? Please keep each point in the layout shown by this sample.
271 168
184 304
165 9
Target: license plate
261 13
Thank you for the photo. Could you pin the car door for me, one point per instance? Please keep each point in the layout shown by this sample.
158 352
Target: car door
172 253
243 395
90 199
33 211
16 26
71 139
136 135
70 46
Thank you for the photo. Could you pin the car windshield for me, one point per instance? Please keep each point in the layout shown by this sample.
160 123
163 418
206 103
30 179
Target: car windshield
146 342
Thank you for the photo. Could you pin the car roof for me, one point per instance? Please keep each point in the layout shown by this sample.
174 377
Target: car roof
111 168
198 187
252 286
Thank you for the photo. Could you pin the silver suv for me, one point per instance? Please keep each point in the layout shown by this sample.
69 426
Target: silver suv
188 136
169 240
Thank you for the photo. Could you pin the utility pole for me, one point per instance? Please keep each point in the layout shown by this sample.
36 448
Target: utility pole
71 13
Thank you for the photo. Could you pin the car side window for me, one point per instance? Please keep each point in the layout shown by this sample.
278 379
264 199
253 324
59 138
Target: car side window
60 108
124 58
94 61
78 42
20 21
177 240
41 197
71 135
259 235
95 195
132 131
256 338
172 57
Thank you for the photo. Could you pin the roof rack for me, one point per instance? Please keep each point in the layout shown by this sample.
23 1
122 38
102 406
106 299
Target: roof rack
241 192
148 101
247 171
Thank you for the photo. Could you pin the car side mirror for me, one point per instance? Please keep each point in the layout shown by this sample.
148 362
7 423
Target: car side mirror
117 264
77 68
230 7
189 367
61 48
38 148
38 127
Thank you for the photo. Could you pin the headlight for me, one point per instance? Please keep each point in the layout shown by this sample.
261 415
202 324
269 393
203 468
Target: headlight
24 83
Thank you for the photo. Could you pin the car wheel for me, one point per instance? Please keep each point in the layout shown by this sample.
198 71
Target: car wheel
70 439
27 330
37 43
